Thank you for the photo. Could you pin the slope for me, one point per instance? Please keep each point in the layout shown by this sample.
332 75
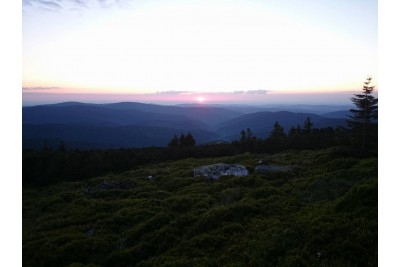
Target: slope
322 214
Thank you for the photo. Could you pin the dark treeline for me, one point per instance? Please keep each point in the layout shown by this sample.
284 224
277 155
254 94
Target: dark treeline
49 166
54 165
305 137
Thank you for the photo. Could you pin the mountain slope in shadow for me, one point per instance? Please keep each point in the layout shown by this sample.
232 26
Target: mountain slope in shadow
131 124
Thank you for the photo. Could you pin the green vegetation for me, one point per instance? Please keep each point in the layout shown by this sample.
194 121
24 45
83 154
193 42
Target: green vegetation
183 140
363 122
143 207
321 213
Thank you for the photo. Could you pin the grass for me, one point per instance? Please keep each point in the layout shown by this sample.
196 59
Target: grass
322 213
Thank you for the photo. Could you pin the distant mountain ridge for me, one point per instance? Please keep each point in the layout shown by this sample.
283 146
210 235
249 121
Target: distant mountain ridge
95 115
103 137
210 115
133 124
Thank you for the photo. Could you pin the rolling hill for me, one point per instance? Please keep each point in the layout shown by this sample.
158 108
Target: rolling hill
131 124
103 137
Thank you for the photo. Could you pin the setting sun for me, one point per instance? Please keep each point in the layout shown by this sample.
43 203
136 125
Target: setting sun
200 99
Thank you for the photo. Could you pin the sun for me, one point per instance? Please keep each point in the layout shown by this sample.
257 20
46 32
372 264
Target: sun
200 99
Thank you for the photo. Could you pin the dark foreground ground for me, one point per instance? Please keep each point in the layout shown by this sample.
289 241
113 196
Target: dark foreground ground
323 212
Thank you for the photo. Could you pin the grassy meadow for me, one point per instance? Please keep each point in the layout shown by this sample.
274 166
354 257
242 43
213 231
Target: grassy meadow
323 212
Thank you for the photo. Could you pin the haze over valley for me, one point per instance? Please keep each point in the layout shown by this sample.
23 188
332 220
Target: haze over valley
133 124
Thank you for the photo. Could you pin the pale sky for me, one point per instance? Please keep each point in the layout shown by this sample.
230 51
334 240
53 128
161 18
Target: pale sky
134 47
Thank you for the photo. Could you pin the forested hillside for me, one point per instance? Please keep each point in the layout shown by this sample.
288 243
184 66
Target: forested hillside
131 124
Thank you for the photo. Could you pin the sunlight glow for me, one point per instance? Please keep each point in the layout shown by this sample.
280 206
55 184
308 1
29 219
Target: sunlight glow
199 47
200 99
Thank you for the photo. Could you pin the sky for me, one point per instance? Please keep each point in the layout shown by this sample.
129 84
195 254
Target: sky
197 51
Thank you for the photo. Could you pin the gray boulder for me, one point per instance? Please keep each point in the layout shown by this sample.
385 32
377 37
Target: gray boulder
269 168
215 171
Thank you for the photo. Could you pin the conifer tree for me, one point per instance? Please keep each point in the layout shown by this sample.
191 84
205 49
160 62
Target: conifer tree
295 136
242 136
174 141
277 131
294 131
308 125
363 121
249 134
189 140
182 140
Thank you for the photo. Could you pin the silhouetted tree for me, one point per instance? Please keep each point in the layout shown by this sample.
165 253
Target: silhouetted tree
249 134
242 136
247 140
308 125
174 141
182 139
295 137
277 131
189 140
363 120
277 139
246 136
294 131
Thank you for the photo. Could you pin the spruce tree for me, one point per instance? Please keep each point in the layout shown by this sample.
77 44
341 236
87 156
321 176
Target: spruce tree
249 134
308 125
174 141
363 121
242 136
277 139
189 140
182 140
277 131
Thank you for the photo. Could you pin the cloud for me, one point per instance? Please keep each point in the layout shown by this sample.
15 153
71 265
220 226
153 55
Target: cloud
110 3
50 4
39 88
55 5
257 92
26 2
248 92
80 2
172 92
77 4
251 92
238 92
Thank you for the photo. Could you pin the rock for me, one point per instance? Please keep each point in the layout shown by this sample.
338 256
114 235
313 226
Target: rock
215 171
90 232
269 168
107 185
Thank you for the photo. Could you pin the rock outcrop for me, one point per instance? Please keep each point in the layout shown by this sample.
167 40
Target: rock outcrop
106 185
269 168
215 171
